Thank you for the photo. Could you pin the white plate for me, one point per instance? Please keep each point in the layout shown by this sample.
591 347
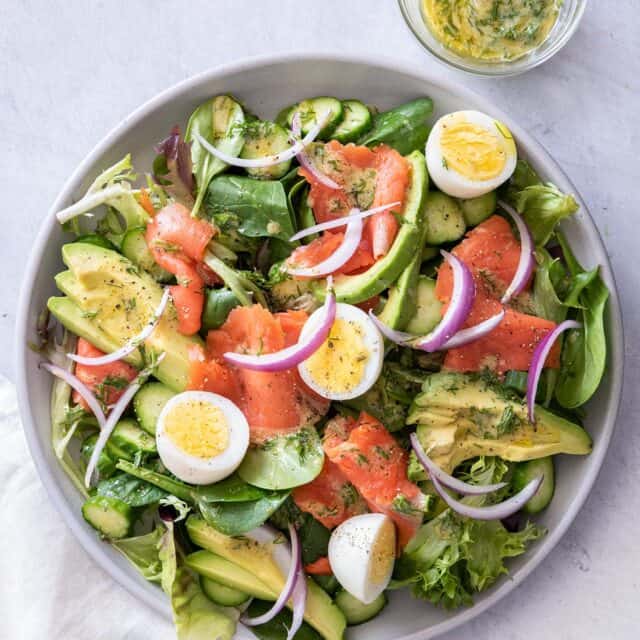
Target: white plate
266 84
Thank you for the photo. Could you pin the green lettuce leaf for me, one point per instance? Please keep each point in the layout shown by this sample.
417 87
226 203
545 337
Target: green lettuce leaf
142 552
543 206
452 557
194 615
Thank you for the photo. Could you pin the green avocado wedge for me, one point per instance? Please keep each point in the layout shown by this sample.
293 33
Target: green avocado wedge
361 287
109 300
461 416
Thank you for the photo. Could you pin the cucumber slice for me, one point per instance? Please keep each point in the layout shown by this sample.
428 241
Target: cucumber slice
477 210
129 439
149 402
314 108
263 138
113 518
525 472
356 122
357 612
428 308
221 594
134 247
443 219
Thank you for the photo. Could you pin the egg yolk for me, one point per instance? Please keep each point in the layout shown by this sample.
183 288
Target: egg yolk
472 151
197 428
382 553
339 364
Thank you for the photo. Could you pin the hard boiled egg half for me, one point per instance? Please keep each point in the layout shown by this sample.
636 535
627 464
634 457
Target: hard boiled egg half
361 554
349 361
202 437
469 154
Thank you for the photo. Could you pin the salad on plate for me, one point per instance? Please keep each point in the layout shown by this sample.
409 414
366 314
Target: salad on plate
301 363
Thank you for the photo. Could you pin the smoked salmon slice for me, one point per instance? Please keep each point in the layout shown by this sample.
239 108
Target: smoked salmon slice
274 403
372 460
491 251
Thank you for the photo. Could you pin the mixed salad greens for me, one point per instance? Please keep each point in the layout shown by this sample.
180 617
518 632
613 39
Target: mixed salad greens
321 357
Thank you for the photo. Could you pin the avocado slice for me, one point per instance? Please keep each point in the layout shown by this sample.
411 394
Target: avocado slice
382 274
460 416
216 568
321 613
109 300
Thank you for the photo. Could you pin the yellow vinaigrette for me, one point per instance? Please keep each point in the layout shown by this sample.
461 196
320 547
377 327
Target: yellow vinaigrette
491 30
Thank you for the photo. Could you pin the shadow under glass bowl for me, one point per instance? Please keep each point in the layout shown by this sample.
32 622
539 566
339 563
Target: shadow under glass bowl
569 17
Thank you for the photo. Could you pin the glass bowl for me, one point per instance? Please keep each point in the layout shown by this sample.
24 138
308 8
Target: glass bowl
568 19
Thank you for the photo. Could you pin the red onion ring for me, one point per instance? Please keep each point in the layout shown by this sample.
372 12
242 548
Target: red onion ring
80 387
115 415
303 158
462 298
538 360
338 258
448 480
340 222
494 511
293 578
291 356
266 161
131 344
399 337
465 336
526 263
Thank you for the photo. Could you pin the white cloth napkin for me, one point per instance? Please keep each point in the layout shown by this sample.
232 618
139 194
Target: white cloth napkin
50 589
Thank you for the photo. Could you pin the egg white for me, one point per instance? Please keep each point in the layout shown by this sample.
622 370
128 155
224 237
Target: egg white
373 341
352 548
450 181
194 469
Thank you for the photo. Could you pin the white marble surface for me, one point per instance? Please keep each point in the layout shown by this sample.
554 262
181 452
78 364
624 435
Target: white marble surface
70 70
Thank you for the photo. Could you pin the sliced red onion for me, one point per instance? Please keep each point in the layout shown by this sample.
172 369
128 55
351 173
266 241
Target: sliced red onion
399 337
303 158
115 415
465 336
338 258
459 307
291 356
293 577
80 387
267 161
299 601
340 222
527 262
448 480
132 344
539 358
494 511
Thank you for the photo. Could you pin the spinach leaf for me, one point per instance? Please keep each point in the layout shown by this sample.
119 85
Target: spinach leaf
219 122
167 484
585 352
133 491
284 462
404 128
218 305
545 298
278 627
231 489
236 518
314 536
259 207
